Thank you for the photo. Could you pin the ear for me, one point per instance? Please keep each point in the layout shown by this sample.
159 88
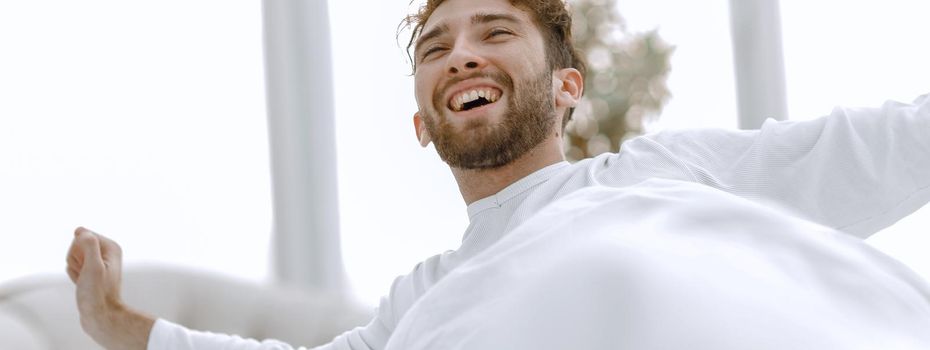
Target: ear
420 128
568 85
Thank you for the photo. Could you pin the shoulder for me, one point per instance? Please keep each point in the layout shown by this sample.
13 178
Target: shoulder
407 289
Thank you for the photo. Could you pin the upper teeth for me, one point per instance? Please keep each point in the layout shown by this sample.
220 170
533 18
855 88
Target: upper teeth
467 96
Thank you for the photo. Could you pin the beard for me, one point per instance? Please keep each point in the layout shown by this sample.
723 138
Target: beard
481 144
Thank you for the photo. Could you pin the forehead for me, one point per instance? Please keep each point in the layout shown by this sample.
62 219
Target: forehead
461 12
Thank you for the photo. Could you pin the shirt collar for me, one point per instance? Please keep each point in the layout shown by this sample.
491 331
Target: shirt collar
498 199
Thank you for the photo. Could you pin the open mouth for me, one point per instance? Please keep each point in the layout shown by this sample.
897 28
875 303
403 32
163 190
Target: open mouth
471 99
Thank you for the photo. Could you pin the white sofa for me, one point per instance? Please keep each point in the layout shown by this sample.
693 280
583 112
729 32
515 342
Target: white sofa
39 312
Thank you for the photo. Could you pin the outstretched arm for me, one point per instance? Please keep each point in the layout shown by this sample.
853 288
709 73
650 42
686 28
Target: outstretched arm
95 267
857 170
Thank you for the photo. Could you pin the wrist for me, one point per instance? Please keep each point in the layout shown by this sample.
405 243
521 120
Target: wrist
119 327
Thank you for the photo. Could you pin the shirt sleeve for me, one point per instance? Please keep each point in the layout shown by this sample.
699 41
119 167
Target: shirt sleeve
166 335
857 170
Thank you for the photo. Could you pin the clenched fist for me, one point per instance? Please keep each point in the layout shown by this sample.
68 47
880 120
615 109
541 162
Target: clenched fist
95 267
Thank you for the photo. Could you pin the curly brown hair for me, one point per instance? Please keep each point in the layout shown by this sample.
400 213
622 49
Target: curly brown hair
552 17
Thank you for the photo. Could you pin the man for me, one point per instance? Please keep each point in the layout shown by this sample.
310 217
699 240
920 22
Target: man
704 239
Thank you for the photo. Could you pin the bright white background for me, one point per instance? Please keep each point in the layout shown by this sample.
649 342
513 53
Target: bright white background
143 120
146 122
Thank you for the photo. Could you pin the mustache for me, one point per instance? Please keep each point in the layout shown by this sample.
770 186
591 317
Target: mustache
499 78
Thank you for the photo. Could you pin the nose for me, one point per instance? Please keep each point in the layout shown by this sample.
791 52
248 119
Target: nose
464 59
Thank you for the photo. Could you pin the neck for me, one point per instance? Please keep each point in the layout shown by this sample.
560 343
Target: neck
479 183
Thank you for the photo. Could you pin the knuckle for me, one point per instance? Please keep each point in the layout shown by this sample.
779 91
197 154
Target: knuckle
89 239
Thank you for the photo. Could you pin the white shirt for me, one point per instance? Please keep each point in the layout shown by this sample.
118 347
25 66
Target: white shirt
608 251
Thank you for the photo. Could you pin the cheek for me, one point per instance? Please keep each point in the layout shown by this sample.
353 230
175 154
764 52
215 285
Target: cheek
420 94
423 90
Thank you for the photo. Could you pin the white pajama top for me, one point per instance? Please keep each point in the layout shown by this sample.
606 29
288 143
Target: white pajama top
699 239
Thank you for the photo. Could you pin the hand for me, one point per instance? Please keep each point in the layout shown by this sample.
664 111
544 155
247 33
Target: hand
95 267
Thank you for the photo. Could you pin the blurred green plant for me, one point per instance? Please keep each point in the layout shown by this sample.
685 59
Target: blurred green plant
625 83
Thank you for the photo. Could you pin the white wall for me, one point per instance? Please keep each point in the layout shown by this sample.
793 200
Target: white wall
142 120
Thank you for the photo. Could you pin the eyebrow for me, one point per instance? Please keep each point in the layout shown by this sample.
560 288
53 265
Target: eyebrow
478 18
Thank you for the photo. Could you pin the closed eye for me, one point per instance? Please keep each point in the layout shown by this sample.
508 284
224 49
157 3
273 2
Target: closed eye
498 32
431 50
